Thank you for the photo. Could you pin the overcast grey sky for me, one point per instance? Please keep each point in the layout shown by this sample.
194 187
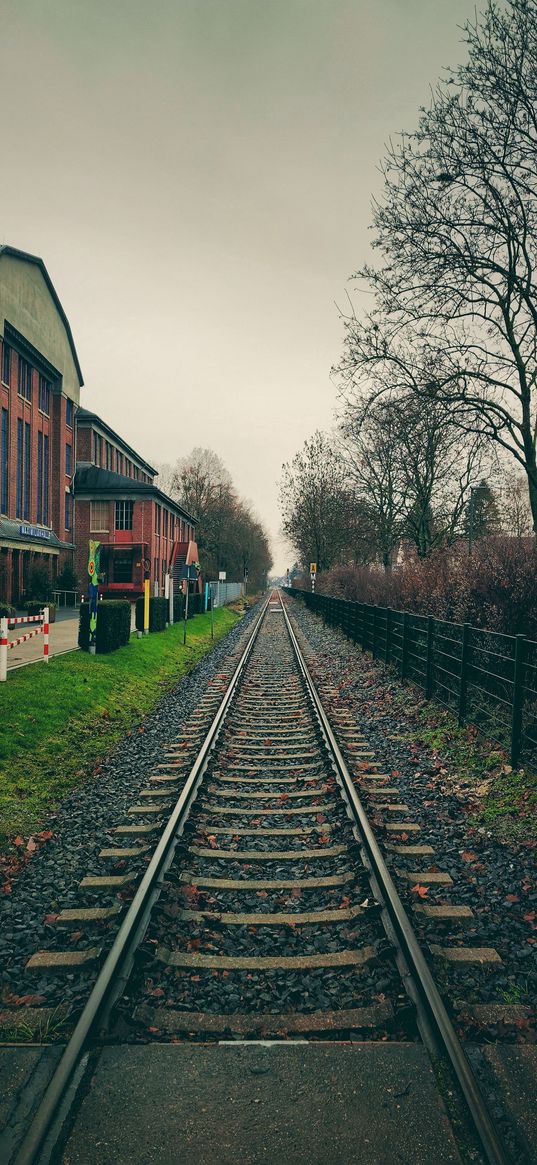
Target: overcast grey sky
197 176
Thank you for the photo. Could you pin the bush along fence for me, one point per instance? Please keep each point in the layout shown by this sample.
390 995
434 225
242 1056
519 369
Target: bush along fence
113 625
7 623
487 678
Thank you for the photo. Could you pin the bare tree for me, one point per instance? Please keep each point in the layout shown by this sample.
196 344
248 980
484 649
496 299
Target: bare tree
316 504
229 535
166 478
515 513
370 449
456 229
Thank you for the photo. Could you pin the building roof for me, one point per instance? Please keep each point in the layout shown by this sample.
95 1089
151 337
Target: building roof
31 536
17 254
86 417
90 479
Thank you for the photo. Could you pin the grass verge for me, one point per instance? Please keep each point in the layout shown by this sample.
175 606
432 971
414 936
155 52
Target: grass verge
59 721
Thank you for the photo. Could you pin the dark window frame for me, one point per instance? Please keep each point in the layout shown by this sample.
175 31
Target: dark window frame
4 454
44 395
123 517
6 364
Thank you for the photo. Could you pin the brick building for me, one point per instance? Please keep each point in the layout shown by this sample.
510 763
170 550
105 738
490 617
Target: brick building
142 531
39 393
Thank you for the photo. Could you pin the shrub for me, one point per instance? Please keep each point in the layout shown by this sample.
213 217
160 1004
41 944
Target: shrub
494 588
158 614
6 610
39 585
35 606
68 579
113 625
196 606
178 607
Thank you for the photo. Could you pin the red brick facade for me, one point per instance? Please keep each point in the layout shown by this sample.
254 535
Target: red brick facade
37 431
142 532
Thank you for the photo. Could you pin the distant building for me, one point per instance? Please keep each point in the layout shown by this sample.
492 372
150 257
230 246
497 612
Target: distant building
39 394
143 532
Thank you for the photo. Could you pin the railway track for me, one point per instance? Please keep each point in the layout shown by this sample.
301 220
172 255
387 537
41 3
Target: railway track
265 908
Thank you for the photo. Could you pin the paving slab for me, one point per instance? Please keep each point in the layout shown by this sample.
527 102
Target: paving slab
514 1070
280 1104
24 1074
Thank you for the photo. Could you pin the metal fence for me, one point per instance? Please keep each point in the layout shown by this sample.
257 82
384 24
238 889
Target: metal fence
225 592
488 679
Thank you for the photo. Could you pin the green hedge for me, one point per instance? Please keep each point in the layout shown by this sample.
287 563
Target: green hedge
158 614
6 610
196 606
113 625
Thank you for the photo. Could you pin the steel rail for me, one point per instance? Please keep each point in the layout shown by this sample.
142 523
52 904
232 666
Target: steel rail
424 983
129 934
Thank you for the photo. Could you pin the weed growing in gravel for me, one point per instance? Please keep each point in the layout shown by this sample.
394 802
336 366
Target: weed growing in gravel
508 797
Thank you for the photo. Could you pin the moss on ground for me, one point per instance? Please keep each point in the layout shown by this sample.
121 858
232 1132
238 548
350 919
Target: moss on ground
59 721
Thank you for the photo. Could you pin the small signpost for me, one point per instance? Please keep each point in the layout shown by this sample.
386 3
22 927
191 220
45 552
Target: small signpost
221 578
313 572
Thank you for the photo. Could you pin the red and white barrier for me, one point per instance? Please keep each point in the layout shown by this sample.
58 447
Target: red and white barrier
6 644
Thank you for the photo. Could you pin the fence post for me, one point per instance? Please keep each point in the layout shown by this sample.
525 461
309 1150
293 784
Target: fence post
388 648
3 649
375 610
404 646
465 656
364 627
355 622
518 698
429 664
46 624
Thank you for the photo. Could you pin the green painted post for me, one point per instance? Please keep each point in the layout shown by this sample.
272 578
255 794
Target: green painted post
518 698
465 660
429 664
404 649
375 609
388 648
364 626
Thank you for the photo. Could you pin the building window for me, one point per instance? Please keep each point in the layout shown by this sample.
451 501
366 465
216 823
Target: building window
27 456
165 523
109 455
68 459
6 363
39 476
122 566
97 449
44 395
157 519
99 517
20 466
124 515
5 468
69 413
45 479
25 379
